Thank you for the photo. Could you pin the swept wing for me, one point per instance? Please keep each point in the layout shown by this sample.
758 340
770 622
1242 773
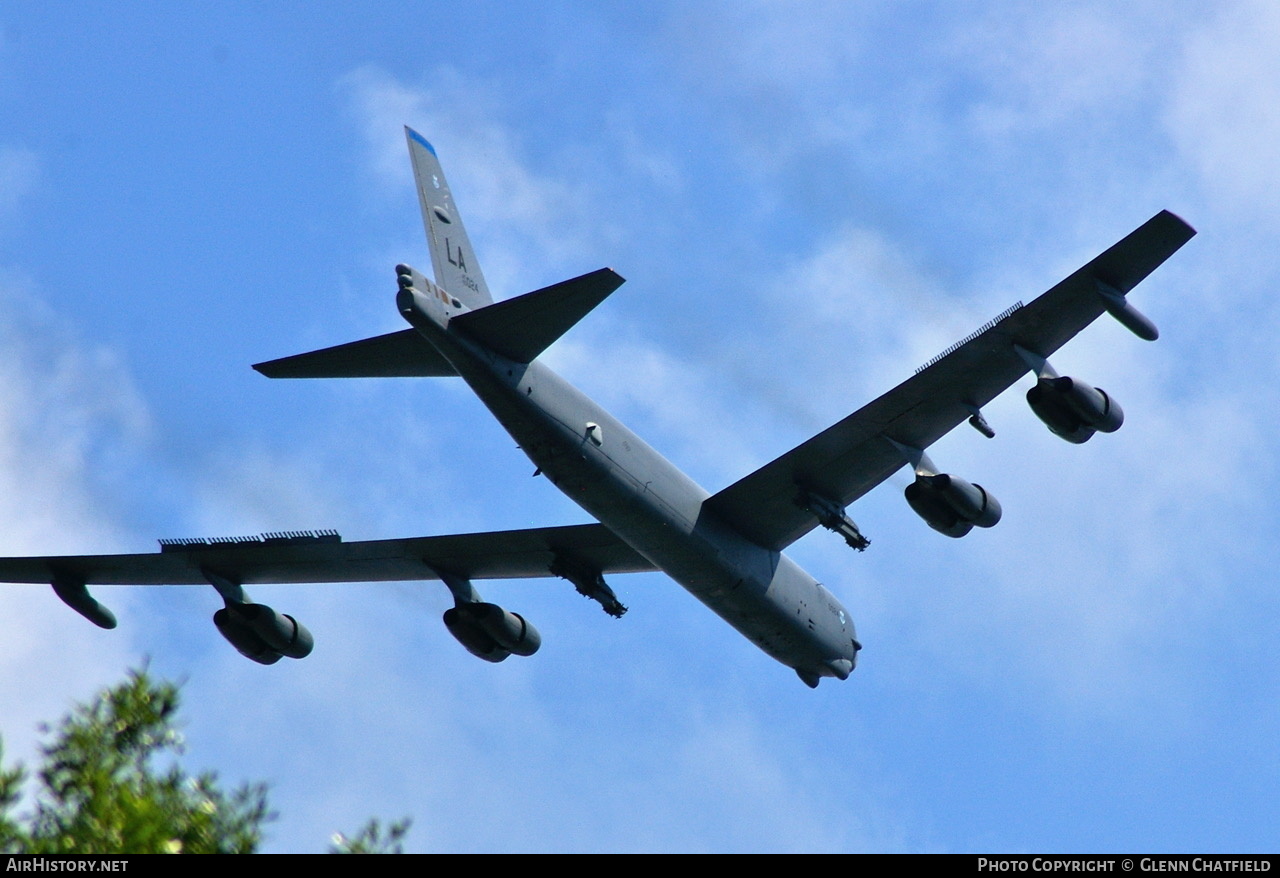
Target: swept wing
511 554
850 458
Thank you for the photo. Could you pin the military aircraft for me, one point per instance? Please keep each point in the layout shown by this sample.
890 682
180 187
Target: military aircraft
725 548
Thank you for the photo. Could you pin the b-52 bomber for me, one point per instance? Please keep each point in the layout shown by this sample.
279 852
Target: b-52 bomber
726 548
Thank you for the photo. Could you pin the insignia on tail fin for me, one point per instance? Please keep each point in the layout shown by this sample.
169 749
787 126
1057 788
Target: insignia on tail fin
519 329
455 263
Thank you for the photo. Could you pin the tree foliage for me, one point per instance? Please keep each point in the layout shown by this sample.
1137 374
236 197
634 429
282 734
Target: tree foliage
372 840
101 788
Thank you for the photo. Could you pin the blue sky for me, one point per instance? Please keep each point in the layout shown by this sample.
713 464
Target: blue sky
808 200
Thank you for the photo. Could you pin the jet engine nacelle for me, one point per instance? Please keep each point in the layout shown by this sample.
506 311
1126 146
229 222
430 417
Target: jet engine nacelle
490 632
1074 410
260 633
950 505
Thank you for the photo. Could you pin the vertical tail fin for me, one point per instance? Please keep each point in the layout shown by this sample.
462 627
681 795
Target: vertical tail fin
455 263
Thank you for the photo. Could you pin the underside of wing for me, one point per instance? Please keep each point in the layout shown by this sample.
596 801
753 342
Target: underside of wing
847 460
403 354
512 554
522 328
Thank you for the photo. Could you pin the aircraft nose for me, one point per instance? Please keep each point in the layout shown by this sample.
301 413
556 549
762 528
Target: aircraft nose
841 668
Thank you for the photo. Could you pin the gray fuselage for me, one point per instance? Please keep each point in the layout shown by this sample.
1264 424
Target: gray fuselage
644 499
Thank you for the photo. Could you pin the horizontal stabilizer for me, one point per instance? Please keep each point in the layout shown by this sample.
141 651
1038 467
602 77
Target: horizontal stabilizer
404 354
522 328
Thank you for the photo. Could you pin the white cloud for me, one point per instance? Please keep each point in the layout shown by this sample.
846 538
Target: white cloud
1061 66
70 417
1224 111
524 223
70 421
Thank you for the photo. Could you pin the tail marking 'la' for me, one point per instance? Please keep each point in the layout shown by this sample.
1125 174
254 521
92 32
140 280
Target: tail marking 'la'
455 263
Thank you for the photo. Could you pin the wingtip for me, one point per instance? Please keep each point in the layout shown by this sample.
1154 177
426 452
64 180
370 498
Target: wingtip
1190 228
